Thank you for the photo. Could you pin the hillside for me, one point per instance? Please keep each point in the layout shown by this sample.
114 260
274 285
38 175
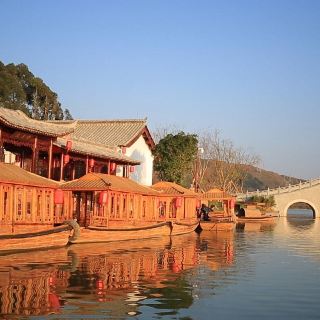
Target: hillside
262 179
256 179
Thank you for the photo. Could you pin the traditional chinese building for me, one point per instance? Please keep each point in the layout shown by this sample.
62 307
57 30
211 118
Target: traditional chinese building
67 150
129 138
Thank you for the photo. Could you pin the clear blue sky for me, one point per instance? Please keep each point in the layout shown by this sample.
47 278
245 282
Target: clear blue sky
250 69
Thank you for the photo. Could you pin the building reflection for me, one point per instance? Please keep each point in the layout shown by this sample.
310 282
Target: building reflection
115 278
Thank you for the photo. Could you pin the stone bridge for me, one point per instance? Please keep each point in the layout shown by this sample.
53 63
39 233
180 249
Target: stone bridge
306 192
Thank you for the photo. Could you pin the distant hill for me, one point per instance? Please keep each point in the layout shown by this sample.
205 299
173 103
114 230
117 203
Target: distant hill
256 179
261 179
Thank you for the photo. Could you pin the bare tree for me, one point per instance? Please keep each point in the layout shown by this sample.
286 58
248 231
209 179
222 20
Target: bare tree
162 131
223 165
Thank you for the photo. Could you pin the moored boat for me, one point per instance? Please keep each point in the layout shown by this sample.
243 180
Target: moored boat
179 227
179 205
218 224
111 208
254 213
262 218
96 234
54 237
27 212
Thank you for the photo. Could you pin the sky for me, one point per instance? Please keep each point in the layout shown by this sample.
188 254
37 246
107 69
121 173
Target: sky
249 69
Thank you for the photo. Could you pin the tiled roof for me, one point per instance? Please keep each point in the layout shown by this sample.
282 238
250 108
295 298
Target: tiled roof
18 120
215 190
14 174
171 188
107 132
88 148
216 193
100 181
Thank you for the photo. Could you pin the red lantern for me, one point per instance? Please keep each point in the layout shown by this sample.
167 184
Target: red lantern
69 145
58 196
113 166
232 203
123 150
103 197
132 169
66 158
100 284
178 202
91 163
198 205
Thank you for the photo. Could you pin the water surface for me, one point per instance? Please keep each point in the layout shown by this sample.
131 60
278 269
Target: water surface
265 271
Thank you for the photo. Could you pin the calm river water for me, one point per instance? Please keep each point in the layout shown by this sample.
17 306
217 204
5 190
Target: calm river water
259 271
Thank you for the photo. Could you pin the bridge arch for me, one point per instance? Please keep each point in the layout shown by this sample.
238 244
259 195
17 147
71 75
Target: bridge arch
311 204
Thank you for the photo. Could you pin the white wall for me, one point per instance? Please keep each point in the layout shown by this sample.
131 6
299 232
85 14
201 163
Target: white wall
140 151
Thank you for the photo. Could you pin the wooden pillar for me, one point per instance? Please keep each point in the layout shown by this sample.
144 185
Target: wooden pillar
1 148
50 159
34 155
73 170
61 167
87 164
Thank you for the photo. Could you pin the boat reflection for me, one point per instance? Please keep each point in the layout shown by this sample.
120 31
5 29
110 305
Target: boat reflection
108 278
259 226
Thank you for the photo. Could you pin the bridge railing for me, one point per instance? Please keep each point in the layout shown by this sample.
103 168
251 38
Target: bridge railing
279 190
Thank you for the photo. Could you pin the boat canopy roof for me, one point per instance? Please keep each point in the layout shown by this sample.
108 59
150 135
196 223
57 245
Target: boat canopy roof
101 181
10 173
217 194
172 188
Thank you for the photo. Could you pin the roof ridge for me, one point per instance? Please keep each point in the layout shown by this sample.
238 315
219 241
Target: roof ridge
108 184
111 120
77 139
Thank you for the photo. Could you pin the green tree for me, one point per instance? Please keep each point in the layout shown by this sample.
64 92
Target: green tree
174 156
20 89
12 94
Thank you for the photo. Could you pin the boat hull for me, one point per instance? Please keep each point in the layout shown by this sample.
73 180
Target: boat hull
217 225
255 219
51 238
183 227
93 234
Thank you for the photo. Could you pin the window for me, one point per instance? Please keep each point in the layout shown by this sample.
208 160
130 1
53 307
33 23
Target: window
39 205
172 209
29 204
118 206
144 208
162 209
48 205
131 208
5 203
112 209
19 203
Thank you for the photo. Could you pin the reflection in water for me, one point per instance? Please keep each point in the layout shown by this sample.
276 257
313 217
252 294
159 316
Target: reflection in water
260 269
300 219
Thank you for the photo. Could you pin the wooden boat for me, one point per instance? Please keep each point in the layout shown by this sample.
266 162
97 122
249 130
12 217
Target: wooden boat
218 224
28 213
183 227
96 234
254 213
54 237
112 208
182 204
262 218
